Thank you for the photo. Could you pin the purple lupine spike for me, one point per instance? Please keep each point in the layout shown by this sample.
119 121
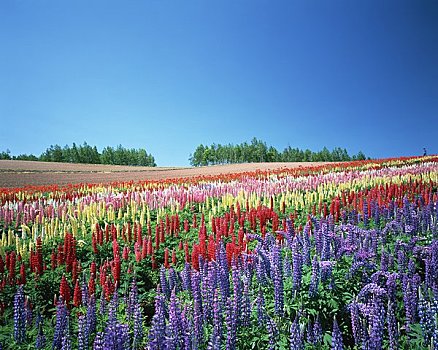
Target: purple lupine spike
84 292
214 343
174 282
91 316
306 245
356 324
290 233
384 260
217 321
158 324
206 292
391 286
231 322
212 279
61 324
40 341
411 267
196 290
186 277
221 257
409 300
277 267
317 331
98 341
187 329
326 270
378 322
66 341
198 322
82 333
264 259
337 343
19 316
427 317
314 281
309 333
138 327
246 303
296 336
237 292
175 326
164 284
365 213
224 282
123 341
326 243
287 266
272 332
27 312
132 299
261 313
260 271
318 240
393 334
297 266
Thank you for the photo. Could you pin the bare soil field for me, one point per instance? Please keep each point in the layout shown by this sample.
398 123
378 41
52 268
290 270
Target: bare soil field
17 173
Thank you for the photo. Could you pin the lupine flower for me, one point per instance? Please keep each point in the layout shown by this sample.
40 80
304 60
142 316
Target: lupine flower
313 288
337 343
273 332
40 341
61 324
82 333
306 245
138 327
174 325
19 316
356 324
132 299
158 325
231 322
392 326
317 331
297 265
261 313
186 277
164 284
217 320
427 318
309 333
85 296
66 341
296 336
99 341
277 277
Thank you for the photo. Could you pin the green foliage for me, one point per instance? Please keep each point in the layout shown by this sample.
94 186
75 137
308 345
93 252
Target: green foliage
258 151
87 154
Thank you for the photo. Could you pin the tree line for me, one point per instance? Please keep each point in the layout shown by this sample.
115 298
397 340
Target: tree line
89 154
258 151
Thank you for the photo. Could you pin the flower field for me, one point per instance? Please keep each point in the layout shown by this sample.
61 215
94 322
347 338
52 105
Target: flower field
336 256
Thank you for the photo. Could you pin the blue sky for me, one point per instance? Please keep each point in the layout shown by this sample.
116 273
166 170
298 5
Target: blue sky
170 75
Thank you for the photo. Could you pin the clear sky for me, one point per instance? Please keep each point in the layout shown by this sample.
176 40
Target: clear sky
169 75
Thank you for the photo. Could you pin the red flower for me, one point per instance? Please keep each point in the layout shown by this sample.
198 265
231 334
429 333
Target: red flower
64 290
22 274
77 295
91 286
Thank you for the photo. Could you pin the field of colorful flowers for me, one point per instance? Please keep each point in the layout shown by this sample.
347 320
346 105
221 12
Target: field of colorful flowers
336 256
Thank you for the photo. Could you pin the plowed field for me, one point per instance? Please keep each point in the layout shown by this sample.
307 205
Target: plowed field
16 173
